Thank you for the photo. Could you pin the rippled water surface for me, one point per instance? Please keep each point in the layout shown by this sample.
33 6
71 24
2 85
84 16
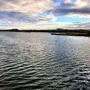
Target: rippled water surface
40 61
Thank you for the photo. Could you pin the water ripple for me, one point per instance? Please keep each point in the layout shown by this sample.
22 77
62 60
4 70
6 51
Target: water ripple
40 61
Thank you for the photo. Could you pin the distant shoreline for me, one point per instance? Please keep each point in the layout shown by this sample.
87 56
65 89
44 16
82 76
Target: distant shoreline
77 32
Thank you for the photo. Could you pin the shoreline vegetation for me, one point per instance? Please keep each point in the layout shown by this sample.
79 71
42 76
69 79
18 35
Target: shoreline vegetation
70 32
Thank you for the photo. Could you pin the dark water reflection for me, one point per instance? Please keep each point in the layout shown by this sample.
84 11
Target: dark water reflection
40 61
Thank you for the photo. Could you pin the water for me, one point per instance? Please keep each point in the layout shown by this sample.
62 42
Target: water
40 61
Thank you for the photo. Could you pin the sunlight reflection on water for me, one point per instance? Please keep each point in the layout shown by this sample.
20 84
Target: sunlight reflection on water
31 61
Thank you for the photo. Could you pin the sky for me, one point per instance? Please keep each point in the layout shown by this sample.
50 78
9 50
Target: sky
44 14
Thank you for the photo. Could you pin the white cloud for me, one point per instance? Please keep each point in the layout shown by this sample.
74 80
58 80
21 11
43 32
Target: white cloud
25 13
26 6
43 25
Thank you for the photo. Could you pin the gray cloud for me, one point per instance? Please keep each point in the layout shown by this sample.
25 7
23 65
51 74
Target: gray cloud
22 17
27 12
77 25
78 8
66 11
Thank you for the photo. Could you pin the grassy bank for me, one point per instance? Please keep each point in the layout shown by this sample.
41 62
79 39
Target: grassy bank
78 32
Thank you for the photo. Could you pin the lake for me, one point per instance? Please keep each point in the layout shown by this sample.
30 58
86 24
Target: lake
41 61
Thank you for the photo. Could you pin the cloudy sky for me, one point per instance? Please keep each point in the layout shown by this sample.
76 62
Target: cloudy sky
44 14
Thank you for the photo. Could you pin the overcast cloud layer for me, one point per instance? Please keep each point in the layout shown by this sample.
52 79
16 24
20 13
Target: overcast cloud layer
43 14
